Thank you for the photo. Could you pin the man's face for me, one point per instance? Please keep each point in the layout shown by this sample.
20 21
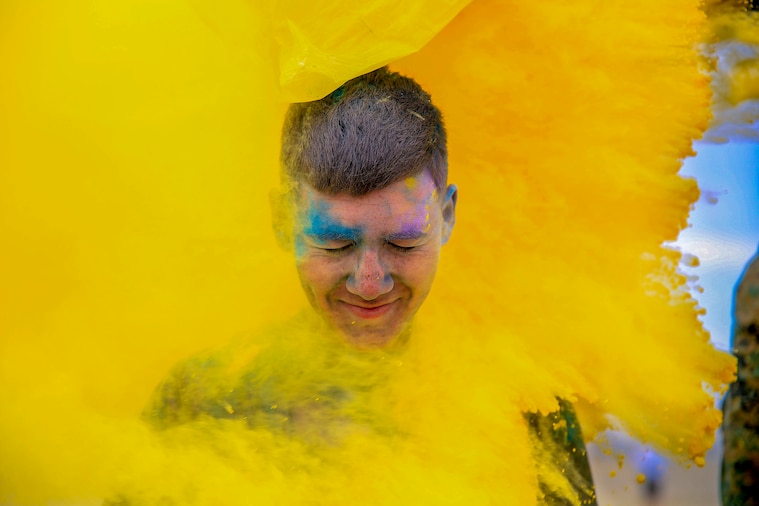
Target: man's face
367 263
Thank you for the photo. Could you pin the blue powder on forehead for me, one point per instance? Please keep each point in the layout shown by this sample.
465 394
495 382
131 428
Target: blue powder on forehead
321 225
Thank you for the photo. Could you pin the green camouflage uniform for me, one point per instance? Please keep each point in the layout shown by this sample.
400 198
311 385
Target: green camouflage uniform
558 434
740 465
200 388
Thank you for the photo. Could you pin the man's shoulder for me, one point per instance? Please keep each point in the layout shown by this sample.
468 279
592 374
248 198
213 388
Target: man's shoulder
229 381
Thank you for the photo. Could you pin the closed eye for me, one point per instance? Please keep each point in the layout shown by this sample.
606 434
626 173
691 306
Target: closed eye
341 249
401 249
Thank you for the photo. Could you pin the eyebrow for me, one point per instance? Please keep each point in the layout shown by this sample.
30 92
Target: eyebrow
331 232
407 234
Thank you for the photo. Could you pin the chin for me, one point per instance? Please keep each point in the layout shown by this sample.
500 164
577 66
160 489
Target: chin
368 340
373 339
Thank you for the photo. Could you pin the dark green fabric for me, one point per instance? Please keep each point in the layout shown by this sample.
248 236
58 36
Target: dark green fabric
561 430
200 387
740 464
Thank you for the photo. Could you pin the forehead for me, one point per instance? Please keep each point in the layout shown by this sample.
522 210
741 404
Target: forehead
403 199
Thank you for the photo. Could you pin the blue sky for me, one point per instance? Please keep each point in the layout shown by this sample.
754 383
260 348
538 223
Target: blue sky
724 230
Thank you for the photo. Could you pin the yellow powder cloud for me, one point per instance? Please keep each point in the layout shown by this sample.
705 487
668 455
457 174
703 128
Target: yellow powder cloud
138 146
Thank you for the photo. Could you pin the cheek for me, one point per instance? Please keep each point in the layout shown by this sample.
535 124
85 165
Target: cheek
319 274
419 271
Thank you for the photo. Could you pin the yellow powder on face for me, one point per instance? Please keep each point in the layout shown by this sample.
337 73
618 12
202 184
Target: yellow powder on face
138 146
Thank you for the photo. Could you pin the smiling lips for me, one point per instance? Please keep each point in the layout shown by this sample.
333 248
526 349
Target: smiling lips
369 311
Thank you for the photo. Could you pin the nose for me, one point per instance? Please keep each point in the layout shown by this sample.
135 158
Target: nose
370 279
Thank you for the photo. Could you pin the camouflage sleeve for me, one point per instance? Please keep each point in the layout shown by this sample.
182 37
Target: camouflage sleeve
180 397
740 463
237 382
565 480
186 394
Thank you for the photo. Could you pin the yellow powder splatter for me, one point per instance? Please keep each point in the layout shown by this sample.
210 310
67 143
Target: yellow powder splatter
138 148
733 49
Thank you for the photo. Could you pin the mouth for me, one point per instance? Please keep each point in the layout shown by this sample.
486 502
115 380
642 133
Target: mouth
368 311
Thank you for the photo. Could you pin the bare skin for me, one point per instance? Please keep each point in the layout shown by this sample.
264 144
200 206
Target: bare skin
367 263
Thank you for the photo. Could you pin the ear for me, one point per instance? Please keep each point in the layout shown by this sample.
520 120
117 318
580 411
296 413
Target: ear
281 218
449 212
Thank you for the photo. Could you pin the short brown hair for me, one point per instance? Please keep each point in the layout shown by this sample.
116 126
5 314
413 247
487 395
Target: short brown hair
371 132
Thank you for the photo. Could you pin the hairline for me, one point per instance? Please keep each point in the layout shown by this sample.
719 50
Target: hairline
293 185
